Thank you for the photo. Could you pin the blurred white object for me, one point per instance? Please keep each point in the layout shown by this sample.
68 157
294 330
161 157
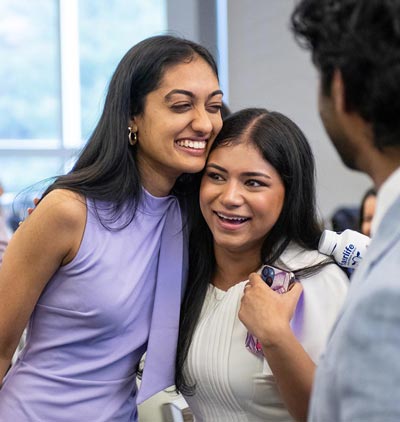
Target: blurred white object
166 406
177 411
21 345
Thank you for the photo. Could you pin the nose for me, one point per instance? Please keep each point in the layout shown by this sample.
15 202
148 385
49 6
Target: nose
201 122
231 195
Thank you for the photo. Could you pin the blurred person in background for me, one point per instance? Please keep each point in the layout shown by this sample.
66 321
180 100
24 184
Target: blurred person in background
4 232
367 211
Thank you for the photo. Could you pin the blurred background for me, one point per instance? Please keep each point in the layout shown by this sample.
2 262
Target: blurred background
57 57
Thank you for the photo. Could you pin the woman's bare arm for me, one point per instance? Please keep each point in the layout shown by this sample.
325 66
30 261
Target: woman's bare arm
48 239
267 315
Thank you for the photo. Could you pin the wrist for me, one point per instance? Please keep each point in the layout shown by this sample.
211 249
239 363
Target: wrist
277 339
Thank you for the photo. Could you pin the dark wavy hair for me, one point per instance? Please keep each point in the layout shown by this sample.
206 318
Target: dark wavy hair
361 38
106 169
284 146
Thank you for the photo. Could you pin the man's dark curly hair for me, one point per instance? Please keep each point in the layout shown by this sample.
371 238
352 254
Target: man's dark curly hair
361 38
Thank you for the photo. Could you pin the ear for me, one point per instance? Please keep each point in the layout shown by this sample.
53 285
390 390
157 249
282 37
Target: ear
338 92
133 125
351 120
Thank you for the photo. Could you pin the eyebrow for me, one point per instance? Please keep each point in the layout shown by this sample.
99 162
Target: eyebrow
247 173
190 94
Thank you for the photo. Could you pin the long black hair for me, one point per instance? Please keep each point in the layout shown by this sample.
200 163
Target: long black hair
284 146
106 169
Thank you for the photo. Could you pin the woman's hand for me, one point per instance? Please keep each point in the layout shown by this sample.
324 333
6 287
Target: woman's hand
30 210
35 202
266 313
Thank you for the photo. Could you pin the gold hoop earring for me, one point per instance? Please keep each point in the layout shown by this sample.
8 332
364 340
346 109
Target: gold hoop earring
132 136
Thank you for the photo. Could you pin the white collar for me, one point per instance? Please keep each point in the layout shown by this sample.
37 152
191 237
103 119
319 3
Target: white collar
387 194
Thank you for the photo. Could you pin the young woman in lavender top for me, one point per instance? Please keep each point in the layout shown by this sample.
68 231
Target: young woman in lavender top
97 270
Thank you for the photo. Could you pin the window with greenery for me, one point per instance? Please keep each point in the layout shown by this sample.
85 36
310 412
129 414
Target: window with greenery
57 57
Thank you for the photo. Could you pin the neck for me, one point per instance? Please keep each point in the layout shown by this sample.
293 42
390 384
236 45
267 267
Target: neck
379 165
155 182
232 268
157 188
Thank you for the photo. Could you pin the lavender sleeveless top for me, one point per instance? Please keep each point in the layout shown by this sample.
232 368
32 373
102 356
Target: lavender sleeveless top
91 324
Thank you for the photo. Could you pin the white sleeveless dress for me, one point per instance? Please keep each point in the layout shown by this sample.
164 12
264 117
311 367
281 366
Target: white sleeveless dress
233 384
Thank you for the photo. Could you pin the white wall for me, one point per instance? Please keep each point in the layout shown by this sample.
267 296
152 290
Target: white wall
183 19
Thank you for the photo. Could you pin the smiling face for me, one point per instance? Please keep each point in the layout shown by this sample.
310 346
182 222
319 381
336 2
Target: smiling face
241 197
181 119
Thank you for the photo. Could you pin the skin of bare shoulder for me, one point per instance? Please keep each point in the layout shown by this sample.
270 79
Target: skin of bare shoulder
48 238
67 211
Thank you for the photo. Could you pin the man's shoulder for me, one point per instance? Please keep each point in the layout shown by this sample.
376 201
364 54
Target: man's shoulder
385 246
376 288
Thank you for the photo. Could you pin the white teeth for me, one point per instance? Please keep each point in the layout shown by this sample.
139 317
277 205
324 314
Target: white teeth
187 143
231 218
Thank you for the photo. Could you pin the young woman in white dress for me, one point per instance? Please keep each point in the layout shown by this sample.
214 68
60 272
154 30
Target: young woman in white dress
257 201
